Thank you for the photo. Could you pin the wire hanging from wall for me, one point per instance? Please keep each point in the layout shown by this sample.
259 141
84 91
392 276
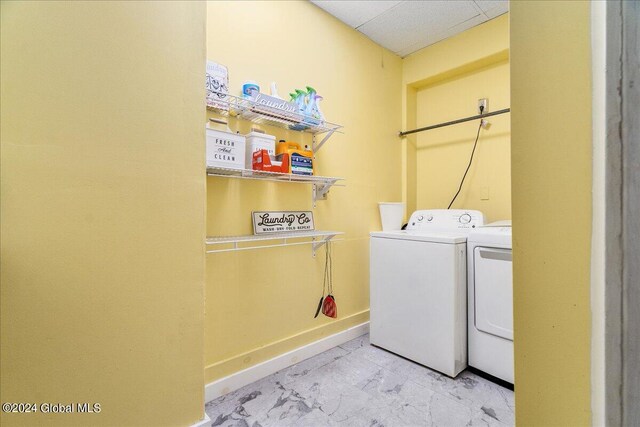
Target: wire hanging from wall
469 165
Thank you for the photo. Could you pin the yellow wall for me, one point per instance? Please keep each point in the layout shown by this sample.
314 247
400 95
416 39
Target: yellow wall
103 198
551 187
444 82
261 303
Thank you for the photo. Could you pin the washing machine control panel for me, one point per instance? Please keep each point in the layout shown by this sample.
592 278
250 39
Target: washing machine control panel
445 219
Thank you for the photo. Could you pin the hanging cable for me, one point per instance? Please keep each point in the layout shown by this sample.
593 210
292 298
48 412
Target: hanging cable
468 166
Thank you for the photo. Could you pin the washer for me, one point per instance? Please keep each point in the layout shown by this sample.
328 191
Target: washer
491 300
419 288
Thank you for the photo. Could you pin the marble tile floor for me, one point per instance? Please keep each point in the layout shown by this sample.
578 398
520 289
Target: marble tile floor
357 384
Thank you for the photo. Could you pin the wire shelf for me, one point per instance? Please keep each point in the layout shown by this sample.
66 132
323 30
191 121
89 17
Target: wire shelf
317 239
321 184
249 110
272 176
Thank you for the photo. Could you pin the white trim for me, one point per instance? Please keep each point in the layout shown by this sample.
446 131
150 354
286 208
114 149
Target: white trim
254 373
205 421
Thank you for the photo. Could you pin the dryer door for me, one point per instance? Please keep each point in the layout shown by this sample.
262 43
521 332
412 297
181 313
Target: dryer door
494 291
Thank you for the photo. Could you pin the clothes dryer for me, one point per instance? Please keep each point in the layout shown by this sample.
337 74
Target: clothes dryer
490 300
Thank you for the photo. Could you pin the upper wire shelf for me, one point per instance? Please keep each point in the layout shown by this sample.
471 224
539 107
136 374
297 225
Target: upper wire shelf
247 109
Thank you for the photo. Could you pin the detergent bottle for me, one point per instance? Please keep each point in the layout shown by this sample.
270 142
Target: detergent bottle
300 161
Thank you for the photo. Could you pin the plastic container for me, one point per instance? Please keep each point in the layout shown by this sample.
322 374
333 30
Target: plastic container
301 160
249 89
257 141
225 149
391 215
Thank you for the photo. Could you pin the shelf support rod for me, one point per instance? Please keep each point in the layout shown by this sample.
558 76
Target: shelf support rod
314 194
317 245
317 146
320 191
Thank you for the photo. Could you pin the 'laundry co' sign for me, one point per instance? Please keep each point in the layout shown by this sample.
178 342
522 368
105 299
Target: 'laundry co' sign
279 222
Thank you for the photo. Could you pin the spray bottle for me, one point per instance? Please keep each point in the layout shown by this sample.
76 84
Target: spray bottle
317 113
311 102
300 100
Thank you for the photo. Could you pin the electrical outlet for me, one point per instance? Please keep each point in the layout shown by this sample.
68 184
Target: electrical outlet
483 106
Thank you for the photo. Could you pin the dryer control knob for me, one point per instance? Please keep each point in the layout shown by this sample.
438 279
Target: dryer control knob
420 218
430 218
465 218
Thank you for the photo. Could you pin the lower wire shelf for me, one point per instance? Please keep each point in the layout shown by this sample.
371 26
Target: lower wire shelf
321 184
242 243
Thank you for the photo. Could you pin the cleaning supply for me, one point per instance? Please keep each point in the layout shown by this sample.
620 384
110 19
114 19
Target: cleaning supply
249 89
310 102
300 100
317 113
301 161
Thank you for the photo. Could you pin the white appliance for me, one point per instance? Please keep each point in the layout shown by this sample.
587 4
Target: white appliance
419 288
491 300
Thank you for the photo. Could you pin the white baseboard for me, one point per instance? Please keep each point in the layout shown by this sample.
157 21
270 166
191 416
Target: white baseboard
205 421
247 376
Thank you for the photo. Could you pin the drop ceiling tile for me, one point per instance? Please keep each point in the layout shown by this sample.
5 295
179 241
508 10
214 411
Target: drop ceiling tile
415 23
355 13
493 8
449 32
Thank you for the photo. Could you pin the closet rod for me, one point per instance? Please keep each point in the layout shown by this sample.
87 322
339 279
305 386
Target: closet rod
454 122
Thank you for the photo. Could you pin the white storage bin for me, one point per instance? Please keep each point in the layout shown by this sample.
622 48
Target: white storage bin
391 214
257 141
225 149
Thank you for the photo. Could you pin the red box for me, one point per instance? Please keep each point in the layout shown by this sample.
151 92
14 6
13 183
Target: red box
262 162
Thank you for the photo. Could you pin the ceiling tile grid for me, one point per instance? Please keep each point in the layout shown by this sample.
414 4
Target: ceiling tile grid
407 26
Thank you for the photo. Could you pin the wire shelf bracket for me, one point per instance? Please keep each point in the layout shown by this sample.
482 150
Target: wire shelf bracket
318 145
320 191
317 244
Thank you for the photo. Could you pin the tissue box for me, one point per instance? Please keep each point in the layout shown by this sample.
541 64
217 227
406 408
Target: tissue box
217 85
225 149
257 141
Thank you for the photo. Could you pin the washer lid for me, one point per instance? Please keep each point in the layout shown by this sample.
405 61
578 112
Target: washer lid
432 236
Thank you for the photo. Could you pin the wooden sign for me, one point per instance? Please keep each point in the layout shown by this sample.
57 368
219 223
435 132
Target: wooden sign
282 221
